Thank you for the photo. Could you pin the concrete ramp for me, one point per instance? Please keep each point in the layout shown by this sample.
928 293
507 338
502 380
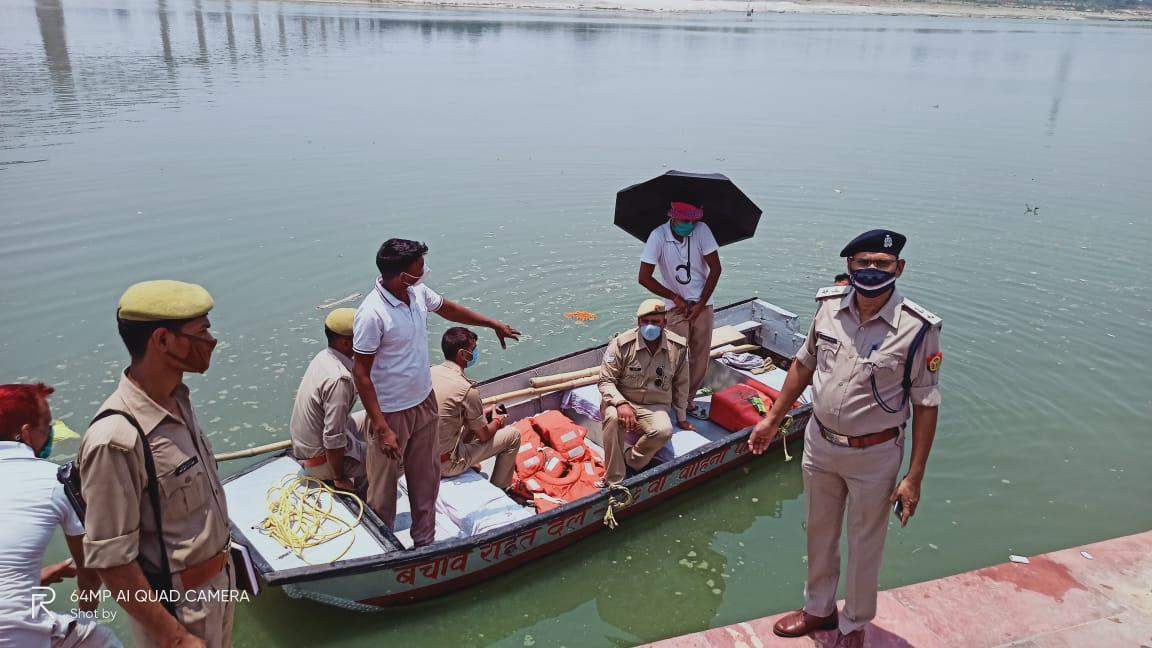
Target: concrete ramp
1062 599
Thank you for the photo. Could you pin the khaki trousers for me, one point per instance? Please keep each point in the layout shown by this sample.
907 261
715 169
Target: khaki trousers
655 427
860 480
698 332
205 616
503 445
415 430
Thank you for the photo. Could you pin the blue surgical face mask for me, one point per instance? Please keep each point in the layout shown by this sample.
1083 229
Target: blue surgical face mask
683 229
471 360
46 451
872 282
650 332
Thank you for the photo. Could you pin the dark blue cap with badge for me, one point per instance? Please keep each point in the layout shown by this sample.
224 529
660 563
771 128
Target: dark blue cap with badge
880 240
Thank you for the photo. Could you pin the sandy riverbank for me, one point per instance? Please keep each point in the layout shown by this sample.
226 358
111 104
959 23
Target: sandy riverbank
827 7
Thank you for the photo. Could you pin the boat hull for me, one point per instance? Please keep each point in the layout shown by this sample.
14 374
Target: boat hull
481 558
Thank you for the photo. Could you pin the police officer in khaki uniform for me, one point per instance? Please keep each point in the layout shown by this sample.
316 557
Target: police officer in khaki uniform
464 432
327 438
164 325
645 366
872 358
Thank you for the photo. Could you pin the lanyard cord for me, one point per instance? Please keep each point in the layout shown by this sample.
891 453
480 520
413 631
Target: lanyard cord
906 383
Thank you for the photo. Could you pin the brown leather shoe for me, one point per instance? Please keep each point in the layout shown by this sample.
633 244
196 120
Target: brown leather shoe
854 639
800 623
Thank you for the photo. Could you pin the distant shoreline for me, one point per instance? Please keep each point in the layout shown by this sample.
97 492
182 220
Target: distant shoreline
823 7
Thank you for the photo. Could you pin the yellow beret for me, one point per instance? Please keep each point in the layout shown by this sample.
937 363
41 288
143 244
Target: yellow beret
651 307
340 321
151 301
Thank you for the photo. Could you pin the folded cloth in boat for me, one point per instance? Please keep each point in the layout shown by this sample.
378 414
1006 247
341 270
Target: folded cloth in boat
584 400
742 360
474 505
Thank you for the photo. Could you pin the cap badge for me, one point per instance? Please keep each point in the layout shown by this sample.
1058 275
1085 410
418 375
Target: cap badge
887 240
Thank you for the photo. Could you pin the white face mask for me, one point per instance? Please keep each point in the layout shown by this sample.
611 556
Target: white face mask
416 281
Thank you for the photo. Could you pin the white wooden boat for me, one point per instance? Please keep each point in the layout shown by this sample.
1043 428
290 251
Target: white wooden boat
482 532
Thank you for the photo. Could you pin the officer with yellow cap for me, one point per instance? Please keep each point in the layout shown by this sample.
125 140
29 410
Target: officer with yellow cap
644 373
327 439
157 518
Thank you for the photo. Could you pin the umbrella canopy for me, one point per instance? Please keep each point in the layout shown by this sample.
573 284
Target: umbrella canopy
730 214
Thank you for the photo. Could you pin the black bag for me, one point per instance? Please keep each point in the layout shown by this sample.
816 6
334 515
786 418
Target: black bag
69 476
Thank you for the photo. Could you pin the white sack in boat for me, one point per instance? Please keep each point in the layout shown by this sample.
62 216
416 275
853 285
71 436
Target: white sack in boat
446 529
474 505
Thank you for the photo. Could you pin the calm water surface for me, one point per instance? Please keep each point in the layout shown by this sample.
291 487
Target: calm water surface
265 149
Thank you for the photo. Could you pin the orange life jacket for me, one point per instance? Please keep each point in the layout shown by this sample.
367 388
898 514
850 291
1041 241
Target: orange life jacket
559 431
552 476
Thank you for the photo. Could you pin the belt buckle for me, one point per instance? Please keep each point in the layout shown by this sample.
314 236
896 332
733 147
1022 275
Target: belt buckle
835 439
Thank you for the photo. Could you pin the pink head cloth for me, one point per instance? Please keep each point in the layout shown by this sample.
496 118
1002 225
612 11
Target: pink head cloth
686 212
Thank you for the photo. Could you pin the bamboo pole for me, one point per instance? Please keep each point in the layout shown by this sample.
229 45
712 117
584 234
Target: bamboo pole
252 452
591 378
544 381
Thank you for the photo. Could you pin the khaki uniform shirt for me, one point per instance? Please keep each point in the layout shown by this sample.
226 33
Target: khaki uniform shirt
459 404
630 373
320 416
845 353
120 523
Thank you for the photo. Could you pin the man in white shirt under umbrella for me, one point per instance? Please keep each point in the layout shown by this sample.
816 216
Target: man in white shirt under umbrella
686 253
392 375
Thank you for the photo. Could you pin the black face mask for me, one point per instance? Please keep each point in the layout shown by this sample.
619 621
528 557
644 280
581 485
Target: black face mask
872 282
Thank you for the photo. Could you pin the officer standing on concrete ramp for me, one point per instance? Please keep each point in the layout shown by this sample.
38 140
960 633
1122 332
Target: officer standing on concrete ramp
872 358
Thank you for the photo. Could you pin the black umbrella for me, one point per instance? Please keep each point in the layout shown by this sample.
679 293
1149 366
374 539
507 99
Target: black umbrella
730 214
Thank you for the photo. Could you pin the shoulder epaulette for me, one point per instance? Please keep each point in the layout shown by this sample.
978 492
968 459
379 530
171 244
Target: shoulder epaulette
676 338
832 291
922 313
626 337
115 432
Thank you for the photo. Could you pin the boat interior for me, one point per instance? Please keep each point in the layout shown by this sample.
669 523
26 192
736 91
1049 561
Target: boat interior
468 504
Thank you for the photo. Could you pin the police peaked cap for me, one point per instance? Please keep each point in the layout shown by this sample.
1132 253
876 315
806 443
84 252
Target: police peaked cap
879 240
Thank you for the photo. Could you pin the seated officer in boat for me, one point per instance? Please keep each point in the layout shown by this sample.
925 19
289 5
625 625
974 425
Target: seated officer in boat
327 439
146 445
872 358
644 372
467 432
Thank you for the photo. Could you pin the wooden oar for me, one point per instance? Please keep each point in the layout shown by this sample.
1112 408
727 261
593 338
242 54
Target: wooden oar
527 392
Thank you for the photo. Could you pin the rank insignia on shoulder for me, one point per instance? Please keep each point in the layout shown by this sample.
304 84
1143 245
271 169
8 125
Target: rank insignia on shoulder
922 313
832 291
934 361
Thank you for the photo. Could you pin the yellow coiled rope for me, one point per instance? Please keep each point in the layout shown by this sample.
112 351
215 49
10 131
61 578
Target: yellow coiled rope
300 516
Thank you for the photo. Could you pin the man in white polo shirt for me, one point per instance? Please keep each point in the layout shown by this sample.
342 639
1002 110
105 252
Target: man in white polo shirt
689 261
391 372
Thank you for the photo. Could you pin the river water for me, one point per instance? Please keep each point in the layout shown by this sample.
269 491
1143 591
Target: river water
265 149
